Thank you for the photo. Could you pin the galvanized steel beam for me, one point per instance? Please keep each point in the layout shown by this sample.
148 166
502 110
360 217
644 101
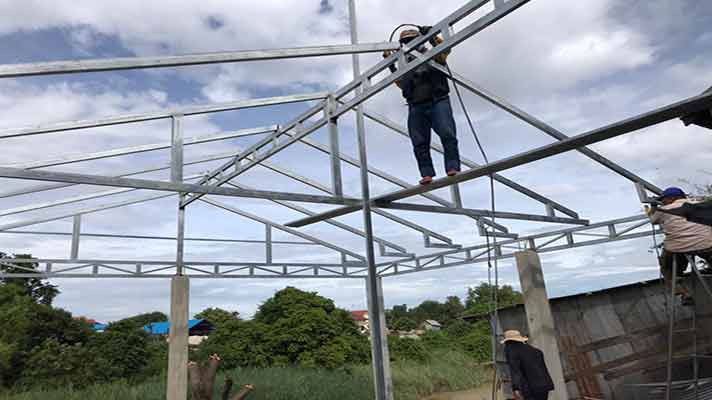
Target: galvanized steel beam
150 116
641 121
116 64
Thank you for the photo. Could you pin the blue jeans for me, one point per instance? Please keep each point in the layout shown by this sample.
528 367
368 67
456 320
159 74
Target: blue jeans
435 115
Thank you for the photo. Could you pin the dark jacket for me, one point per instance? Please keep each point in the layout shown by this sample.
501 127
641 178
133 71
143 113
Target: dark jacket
425 83
527 368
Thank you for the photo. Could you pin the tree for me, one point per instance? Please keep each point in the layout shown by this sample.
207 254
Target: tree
452 310
292 327
480 301
39 290
218 316
429 309
32 324
137 322
404 324
397 312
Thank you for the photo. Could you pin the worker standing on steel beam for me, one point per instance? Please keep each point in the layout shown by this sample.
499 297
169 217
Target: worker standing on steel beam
428 95
530 377
682 238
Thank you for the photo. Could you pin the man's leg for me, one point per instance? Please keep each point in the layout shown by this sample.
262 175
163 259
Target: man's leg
444 126
419 124
666 264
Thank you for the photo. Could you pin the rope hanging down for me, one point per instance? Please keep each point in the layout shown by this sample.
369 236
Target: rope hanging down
492 264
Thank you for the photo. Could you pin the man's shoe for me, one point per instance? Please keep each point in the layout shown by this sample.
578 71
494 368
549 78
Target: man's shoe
453 172
426 179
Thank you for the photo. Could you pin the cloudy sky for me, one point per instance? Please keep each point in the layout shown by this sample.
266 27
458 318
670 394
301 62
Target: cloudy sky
576 65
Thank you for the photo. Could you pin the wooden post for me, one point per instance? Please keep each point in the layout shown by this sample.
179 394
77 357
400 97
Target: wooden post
542 332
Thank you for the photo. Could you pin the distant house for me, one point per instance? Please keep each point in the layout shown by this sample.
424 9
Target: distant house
97 326
360 318
198 329
431 325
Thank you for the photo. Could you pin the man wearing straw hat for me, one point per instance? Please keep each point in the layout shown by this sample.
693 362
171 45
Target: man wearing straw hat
530 378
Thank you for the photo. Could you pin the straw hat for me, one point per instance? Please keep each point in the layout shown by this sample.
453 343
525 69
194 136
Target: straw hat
515 336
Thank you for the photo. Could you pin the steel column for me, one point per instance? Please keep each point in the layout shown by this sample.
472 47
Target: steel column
379 343
337 188
76 232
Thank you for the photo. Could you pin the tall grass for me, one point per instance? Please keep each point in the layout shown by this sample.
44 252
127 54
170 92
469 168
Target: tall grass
445 371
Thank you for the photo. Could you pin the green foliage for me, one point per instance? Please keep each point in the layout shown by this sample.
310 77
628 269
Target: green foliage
120 354
404 324
397 312
452 310
478 346
291 328
217 316
480 298
40 291
105 357
429 309
443 371
445 313
436 340
458 329
56 364
406 349
239 344
32 323
137 322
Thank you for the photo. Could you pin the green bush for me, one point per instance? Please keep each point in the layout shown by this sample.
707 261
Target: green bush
406 349
436 340
478 346
404 324
458 329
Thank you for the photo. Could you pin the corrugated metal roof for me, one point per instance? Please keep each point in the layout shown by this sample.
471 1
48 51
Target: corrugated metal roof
162 328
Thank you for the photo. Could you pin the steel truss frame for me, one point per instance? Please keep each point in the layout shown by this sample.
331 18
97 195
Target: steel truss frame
328 109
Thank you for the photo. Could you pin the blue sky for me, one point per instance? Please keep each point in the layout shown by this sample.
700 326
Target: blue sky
575 66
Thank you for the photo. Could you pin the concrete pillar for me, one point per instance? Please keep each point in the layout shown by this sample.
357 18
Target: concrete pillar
542 332
177 386
379 340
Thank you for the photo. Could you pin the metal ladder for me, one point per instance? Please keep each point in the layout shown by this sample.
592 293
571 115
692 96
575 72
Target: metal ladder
697 277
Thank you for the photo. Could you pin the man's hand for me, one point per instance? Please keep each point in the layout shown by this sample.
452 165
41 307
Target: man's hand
424 29
518 395
387 53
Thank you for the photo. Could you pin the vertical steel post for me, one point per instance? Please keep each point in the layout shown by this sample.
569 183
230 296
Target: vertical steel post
177 380
177 176
76 235
268 244
379 344
337 188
